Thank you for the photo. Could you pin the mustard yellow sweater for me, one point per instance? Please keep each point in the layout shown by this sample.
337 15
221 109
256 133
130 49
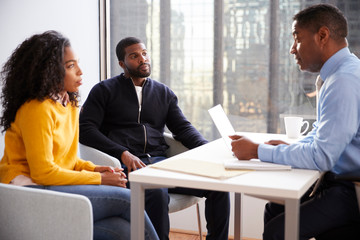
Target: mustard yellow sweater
42 144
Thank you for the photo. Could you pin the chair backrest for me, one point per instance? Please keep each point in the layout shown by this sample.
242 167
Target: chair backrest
97 157
34 214
175 147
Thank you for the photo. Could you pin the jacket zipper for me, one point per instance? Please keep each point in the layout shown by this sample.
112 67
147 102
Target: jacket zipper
145 136
139 113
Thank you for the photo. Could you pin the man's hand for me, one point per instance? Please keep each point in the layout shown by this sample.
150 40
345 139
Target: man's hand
131 162
243 148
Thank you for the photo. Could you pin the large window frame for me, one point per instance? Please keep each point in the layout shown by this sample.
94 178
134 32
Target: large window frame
274 87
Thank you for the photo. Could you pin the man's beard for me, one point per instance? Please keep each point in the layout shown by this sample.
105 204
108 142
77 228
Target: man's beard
137 73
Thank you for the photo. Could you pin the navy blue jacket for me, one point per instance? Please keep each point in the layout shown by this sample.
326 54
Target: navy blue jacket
111 119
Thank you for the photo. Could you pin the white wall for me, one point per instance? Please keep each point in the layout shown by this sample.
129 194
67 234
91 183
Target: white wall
76 19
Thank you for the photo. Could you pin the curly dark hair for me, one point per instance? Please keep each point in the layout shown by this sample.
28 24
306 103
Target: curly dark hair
35 70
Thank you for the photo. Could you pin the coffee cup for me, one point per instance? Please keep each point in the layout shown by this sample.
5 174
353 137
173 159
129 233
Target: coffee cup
293 126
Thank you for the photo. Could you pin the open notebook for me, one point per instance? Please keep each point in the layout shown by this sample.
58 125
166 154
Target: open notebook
226 129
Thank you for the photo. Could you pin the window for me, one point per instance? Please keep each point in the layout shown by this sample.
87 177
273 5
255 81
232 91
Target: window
229 52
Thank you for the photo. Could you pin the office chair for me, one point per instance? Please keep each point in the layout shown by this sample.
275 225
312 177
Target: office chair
37 214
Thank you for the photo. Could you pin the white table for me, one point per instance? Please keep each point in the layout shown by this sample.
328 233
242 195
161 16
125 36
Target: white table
287 186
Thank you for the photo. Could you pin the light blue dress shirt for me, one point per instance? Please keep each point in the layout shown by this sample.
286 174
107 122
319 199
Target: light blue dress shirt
334 142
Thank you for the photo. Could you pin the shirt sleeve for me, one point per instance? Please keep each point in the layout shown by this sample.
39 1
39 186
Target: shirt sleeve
338 123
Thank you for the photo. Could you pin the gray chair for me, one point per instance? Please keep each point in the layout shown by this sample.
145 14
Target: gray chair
177 202
35 214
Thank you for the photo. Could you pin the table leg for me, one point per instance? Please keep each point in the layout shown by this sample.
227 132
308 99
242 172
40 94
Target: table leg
237 217
292 219
137 211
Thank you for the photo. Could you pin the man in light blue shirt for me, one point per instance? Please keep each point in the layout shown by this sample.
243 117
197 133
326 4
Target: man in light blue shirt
333 145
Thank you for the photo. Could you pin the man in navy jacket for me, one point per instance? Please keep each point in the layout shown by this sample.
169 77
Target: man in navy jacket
125 116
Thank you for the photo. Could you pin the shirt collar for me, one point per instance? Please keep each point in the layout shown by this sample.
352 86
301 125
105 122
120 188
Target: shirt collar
330 65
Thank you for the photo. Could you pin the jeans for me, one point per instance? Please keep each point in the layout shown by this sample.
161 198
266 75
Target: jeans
111 210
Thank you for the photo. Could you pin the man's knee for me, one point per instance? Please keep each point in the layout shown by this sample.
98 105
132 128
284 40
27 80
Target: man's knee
224 196
158 196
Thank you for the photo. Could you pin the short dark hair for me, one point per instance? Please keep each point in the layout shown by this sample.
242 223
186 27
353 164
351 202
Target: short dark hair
319 15
124 43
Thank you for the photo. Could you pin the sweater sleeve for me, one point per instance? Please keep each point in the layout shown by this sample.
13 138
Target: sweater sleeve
84 165
39 124
91 119
181 128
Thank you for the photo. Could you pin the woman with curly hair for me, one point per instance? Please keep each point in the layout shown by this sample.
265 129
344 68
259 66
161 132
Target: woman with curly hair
40 84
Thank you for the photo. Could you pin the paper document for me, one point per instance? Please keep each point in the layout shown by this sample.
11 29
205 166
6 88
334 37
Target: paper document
226 129
222 123
197 167
254 165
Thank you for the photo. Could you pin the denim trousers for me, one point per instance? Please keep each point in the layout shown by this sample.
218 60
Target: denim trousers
111 210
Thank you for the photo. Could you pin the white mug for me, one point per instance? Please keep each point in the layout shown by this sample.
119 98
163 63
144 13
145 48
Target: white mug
293 126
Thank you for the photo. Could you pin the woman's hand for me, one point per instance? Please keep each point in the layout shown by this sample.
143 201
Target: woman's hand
111 176
113 179
107 169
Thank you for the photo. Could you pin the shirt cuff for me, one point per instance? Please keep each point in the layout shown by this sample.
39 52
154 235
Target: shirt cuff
265 152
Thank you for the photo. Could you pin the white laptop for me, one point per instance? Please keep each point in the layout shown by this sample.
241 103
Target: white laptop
226 129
